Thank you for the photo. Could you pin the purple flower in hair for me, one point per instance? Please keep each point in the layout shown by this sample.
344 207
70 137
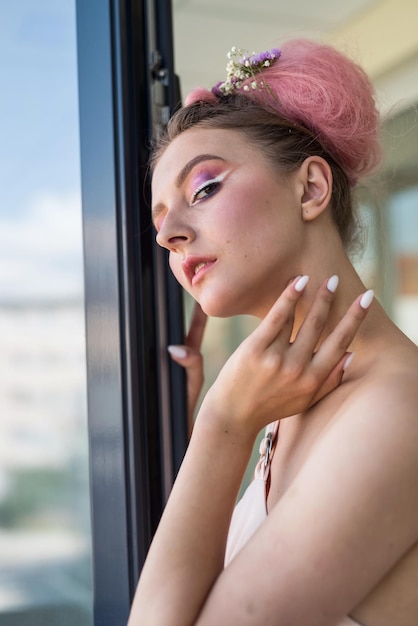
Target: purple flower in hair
259 60
242 69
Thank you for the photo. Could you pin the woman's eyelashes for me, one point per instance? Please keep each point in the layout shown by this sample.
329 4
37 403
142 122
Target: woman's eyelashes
207 188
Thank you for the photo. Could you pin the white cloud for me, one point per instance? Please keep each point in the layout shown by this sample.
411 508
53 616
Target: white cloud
41 250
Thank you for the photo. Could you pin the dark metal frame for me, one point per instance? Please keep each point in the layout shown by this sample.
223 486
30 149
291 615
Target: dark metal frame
136 397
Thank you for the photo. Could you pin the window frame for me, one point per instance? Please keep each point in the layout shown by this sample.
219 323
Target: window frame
137 409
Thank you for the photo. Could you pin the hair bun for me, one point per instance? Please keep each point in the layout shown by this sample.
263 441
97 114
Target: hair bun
316 85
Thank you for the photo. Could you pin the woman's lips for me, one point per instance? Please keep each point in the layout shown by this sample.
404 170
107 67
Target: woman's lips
201 269
195 267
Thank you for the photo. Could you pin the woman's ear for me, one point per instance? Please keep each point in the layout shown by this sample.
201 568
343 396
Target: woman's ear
316 176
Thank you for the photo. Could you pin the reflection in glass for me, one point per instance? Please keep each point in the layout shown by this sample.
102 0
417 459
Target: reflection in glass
45 543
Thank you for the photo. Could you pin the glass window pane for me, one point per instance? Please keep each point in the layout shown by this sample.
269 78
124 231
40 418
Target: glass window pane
45 540
404 229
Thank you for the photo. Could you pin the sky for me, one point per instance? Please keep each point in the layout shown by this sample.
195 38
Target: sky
40 204
43 386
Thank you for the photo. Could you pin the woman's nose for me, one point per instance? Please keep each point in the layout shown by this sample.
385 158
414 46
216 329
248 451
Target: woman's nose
174 233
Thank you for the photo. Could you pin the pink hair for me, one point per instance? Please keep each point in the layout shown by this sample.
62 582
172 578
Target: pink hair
199 94
329 94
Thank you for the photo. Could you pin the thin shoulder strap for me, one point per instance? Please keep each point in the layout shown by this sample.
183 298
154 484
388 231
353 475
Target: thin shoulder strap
267 448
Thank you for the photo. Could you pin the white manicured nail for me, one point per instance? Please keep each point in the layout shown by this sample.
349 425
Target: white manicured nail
301 283
367 299
177 351
332 283
348 361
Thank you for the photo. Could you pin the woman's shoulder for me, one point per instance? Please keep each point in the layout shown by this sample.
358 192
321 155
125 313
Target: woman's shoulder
369 425
375 429
387 386
370 418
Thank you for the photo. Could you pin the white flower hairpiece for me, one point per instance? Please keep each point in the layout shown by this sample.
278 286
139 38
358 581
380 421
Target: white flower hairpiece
242 69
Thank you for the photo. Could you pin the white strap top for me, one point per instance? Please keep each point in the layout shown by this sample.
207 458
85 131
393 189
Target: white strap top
251 510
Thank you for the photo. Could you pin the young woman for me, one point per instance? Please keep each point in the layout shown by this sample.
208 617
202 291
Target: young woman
252 189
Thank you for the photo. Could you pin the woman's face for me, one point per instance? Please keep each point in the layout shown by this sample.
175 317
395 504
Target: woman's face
233 228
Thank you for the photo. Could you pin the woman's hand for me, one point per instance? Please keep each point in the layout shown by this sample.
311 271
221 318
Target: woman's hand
269 377
190 357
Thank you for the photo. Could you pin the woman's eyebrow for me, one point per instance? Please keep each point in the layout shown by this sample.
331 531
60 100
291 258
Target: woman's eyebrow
192 163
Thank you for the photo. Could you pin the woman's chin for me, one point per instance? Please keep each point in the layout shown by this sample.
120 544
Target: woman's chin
216 311
222 305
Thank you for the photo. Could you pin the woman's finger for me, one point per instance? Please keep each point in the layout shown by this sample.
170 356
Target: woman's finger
192 361
278 324
337 343
313 325
334 378
190 357
197 328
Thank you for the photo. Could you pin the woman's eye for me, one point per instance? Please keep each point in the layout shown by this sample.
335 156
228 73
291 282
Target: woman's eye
207 188
204 191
